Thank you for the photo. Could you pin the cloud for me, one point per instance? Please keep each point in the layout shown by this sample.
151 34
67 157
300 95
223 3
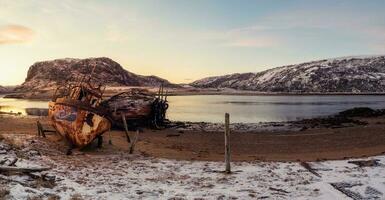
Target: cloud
12 34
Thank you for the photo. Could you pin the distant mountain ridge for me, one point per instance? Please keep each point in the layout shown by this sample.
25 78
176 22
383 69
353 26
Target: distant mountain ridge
6 89
361 74
3 89
48 74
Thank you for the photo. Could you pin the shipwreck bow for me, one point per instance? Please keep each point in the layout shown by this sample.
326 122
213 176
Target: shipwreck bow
76 114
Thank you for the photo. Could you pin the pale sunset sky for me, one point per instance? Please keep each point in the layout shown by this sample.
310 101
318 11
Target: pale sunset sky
185 40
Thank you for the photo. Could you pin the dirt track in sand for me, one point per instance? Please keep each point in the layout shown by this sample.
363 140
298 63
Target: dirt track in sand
309 145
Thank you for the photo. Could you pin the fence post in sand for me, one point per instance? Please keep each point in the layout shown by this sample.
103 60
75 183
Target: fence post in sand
109 137
227 143
134 142
38 128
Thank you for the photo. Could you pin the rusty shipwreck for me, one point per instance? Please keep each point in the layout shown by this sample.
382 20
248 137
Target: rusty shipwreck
76 114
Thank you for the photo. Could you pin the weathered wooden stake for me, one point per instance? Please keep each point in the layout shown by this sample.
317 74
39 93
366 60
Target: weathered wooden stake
109 137
227 143
126 128
40 130
134 142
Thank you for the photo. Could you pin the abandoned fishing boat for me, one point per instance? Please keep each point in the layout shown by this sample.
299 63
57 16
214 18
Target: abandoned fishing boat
138 107
76 114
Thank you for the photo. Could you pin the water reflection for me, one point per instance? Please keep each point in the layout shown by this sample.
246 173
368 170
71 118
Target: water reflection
250 109
19 106
13 110
253 109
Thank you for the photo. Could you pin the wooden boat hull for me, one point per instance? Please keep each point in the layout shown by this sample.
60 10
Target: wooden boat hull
78 125
135 104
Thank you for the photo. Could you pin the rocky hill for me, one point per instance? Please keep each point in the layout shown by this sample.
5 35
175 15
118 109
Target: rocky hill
48 74
6 89
3 89
340 75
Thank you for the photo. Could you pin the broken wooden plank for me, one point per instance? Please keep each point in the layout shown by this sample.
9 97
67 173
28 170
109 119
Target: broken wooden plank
23 169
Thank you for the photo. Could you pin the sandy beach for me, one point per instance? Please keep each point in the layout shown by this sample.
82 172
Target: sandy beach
186 162
199 142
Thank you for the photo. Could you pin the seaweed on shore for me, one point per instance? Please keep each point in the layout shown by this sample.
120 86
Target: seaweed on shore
343 119
362 112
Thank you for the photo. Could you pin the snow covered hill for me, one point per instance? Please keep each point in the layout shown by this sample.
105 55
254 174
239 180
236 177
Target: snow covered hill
361 74
48 74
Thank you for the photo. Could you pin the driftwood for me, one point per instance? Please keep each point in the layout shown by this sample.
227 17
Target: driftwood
309 168
23 169
365 163
342 187
278 190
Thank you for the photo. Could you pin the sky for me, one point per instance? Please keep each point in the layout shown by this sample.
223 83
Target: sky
185 40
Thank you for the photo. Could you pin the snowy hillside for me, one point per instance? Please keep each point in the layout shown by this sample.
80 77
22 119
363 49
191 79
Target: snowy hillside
347 74
48 74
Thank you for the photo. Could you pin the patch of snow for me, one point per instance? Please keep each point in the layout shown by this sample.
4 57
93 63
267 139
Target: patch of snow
124 176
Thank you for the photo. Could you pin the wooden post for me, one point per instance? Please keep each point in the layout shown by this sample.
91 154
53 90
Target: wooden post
109 137
126 128
38 128
134 142
227 143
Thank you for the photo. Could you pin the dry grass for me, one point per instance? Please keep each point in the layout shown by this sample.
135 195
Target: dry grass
3 192
76 197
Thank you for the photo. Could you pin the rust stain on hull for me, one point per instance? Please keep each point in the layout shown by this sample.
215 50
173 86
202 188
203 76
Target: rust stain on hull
72 124
76 114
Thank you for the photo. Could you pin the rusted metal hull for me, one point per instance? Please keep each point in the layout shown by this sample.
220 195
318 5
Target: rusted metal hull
77 124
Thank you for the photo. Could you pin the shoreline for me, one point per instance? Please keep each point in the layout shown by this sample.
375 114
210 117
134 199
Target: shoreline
204 92
331 138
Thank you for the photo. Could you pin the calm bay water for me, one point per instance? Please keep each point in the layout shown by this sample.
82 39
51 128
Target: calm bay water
264 108
211 108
